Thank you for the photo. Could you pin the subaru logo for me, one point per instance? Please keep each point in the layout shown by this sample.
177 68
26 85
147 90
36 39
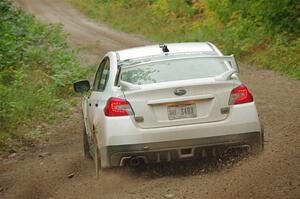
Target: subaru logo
179 91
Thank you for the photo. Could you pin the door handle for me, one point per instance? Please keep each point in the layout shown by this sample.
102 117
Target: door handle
90 104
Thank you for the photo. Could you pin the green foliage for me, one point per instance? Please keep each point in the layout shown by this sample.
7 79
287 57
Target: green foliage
266 32
260 31
37 69
275 16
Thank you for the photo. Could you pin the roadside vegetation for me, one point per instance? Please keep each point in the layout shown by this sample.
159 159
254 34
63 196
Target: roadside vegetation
36 71
265 33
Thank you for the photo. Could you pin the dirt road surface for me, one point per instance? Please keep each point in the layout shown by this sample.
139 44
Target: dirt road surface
43 171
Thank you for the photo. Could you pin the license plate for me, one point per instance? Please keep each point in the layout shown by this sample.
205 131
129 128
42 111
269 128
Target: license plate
181 111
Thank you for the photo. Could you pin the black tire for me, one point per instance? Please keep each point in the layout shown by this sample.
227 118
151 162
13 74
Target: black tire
86 146
96 154
263 137
257 146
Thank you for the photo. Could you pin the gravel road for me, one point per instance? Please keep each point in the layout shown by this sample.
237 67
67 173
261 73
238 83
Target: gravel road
56 169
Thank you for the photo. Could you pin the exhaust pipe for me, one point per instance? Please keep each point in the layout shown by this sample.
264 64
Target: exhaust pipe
124 160
135 161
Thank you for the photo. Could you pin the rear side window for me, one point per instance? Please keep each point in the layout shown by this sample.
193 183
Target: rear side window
173 70
102 75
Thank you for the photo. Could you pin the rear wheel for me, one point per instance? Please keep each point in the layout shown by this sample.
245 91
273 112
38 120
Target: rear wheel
96 155
86 146
257 146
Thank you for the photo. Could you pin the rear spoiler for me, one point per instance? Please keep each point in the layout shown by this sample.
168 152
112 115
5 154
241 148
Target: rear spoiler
229 61
234 68
228 58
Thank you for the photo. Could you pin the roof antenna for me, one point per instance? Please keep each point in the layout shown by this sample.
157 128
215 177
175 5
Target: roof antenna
164 47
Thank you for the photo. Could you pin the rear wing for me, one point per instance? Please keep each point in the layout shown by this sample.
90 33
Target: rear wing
228 60
231 63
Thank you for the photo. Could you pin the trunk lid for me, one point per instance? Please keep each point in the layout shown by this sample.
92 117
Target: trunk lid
199 101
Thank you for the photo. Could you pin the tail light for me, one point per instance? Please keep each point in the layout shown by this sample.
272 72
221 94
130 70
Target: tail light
240 95
117 107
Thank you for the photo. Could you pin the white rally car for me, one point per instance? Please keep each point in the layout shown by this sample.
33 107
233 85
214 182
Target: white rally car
167 102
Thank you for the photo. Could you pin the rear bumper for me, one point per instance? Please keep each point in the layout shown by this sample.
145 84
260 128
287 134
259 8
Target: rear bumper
123 130
180 149
121 137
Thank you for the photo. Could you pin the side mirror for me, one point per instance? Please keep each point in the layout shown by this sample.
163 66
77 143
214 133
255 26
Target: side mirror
82 86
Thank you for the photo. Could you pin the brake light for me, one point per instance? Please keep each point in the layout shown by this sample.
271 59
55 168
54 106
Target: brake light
117 107
240 95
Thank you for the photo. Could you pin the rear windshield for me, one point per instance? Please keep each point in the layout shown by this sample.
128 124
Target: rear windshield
173 70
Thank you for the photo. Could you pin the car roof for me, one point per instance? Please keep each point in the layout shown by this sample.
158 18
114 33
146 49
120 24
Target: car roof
174 48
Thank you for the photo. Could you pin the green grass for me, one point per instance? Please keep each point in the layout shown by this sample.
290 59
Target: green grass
37 69
265 33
